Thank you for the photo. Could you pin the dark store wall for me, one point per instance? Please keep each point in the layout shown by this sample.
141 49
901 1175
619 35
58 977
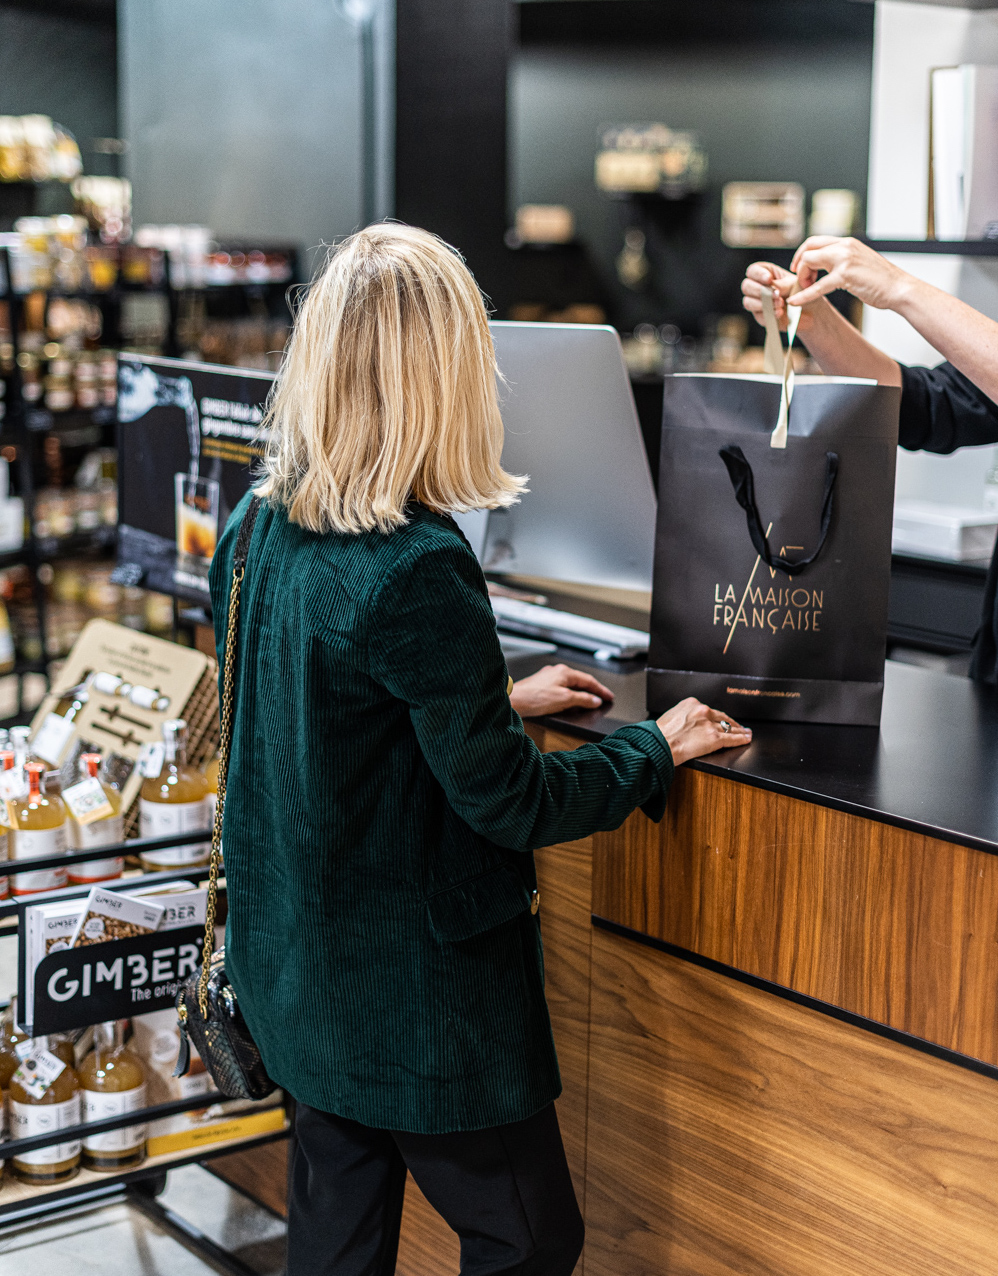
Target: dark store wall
776 91
55 64
247 117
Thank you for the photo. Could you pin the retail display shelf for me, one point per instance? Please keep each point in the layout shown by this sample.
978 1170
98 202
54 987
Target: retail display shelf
20 1199
952 247
975 567
47 548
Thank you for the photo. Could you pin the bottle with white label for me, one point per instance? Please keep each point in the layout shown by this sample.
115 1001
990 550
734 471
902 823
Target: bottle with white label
175 801
58 727
94 820
19 737
114 1082
211 775
44 1098
6 768
39 829
9 1063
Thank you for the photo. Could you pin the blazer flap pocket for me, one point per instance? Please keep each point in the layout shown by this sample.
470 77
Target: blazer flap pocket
479 904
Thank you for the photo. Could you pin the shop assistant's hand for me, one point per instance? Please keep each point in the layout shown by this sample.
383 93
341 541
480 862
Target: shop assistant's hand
839 348
851 265
692 731
556 688
764 276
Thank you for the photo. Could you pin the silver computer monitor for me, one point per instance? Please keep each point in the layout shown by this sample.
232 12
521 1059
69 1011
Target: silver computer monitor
571 425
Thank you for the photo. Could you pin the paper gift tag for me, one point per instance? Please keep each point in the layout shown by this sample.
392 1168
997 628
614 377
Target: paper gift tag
53 736
87 801
150 760
37 1073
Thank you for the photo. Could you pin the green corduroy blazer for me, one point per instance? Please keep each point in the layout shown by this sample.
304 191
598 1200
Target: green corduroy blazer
383 803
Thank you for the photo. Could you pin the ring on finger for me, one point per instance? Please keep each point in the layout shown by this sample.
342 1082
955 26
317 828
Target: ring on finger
725 725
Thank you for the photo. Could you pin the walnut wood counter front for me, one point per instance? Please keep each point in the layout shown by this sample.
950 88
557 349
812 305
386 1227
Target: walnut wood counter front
777 1010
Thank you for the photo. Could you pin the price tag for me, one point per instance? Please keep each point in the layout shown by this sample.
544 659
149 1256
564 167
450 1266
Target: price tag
53 736
150 760
37 1073
88 801
12 787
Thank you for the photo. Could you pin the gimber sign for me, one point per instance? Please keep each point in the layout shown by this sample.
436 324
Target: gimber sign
79 986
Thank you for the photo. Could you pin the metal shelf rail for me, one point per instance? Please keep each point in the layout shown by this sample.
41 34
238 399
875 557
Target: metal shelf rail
134 1184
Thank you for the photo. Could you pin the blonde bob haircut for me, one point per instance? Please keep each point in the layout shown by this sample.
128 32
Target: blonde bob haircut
387 393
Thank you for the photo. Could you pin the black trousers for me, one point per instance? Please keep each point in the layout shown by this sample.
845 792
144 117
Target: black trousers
506 1192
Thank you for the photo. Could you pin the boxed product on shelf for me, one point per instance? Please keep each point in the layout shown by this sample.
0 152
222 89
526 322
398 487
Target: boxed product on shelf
109 915
50 925
156 1039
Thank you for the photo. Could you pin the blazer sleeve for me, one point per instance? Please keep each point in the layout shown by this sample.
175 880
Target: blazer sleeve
942 410
432 644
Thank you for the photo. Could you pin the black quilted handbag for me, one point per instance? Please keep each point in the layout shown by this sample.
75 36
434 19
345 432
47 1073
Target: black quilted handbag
207 1007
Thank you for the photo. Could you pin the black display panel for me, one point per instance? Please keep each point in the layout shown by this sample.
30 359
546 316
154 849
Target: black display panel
189 438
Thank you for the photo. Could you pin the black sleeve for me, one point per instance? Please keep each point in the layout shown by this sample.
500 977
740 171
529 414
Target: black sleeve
942 410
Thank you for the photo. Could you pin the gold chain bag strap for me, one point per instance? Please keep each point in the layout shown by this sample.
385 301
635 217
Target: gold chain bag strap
207 1008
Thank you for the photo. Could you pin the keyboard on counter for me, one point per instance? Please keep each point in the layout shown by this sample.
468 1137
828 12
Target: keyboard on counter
605 641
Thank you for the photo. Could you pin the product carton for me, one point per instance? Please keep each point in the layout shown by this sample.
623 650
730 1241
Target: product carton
156 1038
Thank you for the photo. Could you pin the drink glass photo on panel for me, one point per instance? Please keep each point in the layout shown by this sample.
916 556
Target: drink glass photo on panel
197 520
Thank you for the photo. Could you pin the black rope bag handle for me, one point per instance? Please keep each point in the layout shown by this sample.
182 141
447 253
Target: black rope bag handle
743 482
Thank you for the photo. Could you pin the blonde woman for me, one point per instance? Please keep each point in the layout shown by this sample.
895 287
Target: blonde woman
383 799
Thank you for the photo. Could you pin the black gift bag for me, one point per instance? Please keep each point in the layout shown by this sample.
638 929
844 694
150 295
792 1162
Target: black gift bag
773 546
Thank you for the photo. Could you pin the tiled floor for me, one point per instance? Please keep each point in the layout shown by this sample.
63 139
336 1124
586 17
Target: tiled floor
117 1240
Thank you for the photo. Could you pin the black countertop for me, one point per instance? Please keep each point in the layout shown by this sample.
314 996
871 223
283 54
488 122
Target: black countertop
931 767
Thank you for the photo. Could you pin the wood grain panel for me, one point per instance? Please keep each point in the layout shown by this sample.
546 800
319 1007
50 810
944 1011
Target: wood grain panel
427 1246
564 878
886 923
731 1131
262 1173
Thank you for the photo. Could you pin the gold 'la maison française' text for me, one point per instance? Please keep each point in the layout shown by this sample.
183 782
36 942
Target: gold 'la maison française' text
773 609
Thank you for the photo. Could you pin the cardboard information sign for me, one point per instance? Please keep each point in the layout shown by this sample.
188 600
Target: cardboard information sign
136 683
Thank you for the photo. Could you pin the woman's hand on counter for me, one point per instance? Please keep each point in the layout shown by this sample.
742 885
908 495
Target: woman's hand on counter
693 730
556 688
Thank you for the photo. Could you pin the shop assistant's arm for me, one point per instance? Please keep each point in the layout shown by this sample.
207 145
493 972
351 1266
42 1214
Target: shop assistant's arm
965 337
961 334
432 644
838 347
942 408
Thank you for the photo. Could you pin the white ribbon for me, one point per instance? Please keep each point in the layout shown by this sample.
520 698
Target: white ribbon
778 362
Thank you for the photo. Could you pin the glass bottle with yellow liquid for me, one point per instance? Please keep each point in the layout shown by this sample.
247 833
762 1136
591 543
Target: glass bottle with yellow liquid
39 829
44 1098
9 1063
61 1045
114 1083
6 765
175 801
95 819
19 738
211 775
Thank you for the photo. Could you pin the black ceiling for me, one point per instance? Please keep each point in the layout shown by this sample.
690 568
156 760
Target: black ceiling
662 22
99 11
